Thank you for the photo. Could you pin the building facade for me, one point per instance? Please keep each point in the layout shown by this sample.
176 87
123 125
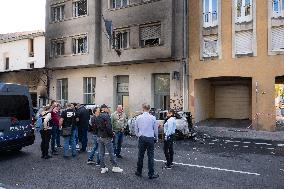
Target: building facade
236 57
140 60
22 61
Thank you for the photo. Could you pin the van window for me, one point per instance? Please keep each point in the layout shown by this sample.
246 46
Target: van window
15 106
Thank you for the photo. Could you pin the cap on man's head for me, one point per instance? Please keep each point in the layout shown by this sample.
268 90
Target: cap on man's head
104 106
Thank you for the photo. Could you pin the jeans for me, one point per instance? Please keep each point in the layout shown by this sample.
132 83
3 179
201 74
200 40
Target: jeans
169 150
83 131
45 138
117 142
55 134
146 143
67 140
95 151
106 143
76 136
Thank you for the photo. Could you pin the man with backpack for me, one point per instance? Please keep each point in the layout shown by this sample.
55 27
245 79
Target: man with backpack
105 135
67 124
45 131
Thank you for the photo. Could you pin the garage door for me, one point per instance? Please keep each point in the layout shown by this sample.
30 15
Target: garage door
232 102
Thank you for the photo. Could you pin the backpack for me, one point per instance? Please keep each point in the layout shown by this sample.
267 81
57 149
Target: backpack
40 120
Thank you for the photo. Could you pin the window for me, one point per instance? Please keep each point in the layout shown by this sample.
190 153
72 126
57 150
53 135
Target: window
121 40
210 46
58 48
31 47
7 62
80 8
243 42
89 90
162 91
243 11
150 35
31 65
80 45
57 13
62 91
210 13
119 3
15 106
278 8
277 37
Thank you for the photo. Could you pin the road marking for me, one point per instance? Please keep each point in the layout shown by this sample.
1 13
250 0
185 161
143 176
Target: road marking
280 145
212 168
245 146
263 144
246 142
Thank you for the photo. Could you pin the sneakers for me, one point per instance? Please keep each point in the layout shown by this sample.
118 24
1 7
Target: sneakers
97 164
77 146
117 170
167 167
90 161
154 176
104 170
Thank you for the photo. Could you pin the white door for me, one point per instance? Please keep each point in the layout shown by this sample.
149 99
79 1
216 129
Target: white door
232 102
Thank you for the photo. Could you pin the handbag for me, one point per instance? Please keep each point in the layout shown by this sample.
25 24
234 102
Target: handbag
66 131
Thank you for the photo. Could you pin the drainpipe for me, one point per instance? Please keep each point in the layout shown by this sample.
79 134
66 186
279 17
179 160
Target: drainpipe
185 64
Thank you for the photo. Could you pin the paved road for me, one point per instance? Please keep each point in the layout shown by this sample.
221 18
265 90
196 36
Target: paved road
207 163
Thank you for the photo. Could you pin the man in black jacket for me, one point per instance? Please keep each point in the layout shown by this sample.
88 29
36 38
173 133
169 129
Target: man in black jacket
105 135
83 116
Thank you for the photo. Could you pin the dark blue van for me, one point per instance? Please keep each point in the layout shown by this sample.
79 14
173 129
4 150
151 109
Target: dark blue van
16 117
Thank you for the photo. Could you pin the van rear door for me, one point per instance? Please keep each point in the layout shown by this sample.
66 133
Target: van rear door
15 116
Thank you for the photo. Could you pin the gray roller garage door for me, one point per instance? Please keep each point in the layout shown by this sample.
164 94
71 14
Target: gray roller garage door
232 102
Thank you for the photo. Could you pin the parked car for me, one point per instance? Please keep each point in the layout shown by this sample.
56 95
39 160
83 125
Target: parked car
16 117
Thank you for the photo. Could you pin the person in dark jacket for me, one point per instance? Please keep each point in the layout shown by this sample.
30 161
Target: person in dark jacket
94 122
83 117
105 135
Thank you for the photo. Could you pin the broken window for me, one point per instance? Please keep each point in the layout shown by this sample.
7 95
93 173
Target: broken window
58 48
119 3
150 35
80 45
121 40
80 8
57 13
7 62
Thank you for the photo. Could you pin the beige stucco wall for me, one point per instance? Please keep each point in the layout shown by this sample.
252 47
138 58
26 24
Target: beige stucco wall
140 82
262 68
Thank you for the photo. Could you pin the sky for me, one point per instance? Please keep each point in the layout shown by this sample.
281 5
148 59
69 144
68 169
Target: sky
21 15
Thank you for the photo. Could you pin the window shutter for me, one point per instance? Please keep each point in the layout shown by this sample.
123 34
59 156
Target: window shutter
210 46
277 34
243 42
150 32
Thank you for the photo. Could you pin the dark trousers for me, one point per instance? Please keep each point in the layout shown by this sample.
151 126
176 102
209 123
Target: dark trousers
169 150
55 137
118 139
45 138
83 137
146 143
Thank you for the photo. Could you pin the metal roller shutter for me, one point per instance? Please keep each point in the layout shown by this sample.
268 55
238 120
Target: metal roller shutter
243 42
232 102
150 32
277 38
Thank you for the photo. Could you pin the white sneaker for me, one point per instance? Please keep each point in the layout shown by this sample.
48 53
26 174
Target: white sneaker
77 146
117 170
104 170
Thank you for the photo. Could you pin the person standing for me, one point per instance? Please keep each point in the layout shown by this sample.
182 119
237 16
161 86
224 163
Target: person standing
45 132
83 116
67 124
146 129
94 122
169 131
118 122
105 135
54 110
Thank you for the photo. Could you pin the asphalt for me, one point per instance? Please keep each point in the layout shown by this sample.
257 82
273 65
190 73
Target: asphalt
210 162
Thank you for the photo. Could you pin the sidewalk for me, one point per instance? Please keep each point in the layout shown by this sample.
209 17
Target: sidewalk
241 133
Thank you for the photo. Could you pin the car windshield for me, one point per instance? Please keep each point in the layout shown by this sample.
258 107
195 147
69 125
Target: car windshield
15 106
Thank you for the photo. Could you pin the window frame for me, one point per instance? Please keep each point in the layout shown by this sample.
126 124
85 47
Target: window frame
280 11
53 16
142 42
54 48
76 43
211 22
243 17
7 63
113 4
60 91
75 11
86 81
121 32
